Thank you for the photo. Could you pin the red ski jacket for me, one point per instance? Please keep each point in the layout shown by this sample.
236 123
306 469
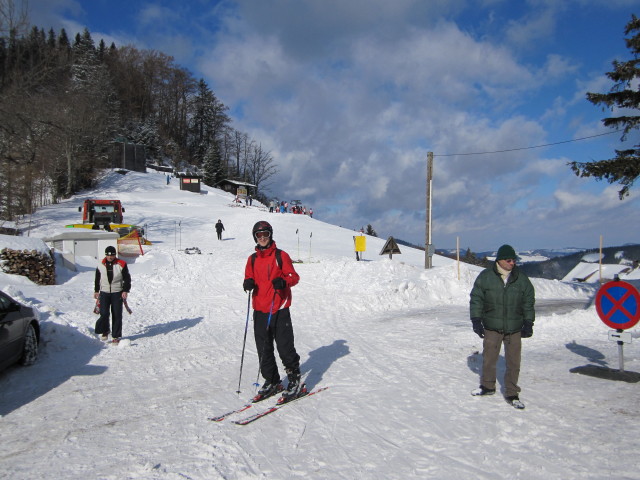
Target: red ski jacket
263 269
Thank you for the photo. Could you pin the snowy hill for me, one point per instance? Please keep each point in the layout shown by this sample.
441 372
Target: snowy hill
391 340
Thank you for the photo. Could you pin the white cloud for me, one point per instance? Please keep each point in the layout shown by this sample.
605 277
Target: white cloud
350 96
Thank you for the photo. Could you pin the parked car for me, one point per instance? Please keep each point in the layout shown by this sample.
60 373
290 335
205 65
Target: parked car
19 333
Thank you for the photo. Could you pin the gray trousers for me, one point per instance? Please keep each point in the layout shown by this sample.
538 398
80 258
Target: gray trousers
491 351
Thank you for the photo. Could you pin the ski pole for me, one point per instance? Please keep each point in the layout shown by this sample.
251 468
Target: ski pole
266 339
244 342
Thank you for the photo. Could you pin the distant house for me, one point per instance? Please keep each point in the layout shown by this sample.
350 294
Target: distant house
190 182
589 272
237 187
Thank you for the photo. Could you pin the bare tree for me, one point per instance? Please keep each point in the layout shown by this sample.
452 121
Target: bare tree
261 166
13 20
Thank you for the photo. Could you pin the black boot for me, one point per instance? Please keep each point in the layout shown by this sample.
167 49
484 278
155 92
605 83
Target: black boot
295 388
268 390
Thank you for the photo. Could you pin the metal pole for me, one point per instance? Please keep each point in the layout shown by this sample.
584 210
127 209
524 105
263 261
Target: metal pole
620 352
427 250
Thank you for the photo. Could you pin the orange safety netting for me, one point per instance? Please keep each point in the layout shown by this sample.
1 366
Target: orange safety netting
131 244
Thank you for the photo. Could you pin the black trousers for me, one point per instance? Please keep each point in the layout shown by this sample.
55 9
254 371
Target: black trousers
279 330
110 302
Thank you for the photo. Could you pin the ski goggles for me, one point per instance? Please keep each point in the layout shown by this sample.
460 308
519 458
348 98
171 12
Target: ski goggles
263 234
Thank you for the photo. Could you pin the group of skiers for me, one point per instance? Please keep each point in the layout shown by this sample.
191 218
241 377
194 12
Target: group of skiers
501 309
269 276
283 207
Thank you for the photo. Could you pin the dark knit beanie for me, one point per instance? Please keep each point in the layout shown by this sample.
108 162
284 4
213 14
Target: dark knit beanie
506 252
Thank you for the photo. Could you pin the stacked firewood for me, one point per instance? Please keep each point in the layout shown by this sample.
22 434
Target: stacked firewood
38 267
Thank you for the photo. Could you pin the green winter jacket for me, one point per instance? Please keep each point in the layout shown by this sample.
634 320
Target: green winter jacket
503 308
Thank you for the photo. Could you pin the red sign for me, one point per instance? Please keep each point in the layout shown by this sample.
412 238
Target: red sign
618 305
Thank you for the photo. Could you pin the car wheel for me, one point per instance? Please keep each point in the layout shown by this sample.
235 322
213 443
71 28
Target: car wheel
30 352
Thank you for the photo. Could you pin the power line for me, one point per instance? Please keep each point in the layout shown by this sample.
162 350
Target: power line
525 148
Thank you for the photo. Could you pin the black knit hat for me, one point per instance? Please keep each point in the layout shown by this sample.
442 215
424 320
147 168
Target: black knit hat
110 250
506 252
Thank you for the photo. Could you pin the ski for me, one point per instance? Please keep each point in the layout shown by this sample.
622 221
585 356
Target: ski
219 418
256 416
247 406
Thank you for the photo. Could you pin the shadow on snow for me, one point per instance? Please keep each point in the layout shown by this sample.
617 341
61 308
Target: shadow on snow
321 359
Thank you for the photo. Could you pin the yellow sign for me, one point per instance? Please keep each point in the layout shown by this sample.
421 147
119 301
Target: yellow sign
360 243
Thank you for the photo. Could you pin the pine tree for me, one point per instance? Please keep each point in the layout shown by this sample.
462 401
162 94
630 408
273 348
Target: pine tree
207 124
624 168
212 165
371 231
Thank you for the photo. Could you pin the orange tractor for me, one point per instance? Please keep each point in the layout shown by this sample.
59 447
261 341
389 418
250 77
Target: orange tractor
102 213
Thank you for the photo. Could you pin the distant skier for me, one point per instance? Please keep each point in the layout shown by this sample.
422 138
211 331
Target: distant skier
502 311
219 229
111 287
269 273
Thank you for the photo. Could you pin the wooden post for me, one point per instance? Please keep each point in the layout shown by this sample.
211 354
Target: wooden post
600 260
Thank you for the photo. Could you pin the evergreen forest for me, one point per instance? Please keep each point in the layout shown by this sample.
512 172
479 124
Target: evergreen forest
66 104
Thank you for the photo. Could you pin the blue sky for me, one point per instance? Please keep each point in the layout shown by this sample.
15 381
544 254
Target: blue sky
350 95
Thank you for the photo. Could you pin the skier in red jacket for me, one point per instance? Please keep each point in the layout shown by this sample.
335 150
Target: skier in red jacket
269 274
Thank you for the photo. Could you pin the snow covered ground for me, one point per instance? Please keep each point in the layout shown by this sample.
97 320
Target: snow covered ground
392 340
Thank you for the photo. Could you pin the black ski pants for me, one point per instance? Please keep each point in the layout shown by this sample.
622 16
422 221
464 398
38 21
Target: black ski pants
110 302
280 330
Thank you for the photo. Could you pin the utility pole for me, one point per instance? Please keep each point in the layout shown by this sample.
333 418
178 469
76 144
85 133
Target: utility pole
428 251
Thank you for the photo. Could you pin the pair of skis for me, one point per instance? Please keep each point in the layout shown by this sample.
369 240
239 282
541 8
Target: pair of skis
256 416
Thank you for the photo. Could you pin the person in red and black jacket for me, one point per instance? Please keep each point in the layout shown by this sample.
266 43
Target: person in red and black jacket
269 275
111 287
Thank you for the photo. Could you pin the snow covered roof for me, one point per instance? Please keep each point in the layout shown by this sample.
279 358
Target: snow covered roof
82 234
590 272
236 182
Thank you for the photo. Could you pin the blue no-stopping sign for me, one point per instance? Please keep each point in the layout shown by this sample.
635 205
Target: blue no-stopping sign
618 305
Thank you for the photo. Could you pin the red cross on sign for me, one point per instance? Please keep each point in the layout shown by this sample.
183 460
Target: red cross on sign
618 305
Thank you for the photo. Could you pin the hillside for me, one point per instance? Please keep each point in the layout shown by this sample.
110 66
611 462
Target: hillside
559 267
391 341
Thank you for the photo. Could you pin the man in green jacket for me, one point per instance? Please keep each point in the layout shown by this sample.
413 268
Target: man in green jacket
502 311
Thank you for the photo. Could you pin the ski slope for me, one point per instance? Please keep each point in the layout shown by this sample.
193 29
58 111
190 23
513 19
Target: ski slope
392 340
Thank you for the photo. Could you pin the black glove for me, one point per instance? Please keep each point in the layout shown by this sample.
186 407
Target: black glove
527 330
477 326
248 284
279 283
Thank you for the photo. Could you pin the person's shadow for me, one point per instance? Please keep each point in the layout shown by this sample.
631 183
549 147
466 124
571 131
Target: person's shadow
166 328
474 362
321 359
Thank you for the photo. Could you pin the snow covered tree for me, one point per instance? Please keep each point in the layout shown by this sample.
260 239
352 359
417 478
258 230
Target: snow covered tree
624 168
212 165
145 133
207 123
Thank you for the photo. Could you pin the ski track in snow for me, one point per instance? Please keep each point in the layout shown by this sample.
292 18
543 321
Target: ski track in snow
392 340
